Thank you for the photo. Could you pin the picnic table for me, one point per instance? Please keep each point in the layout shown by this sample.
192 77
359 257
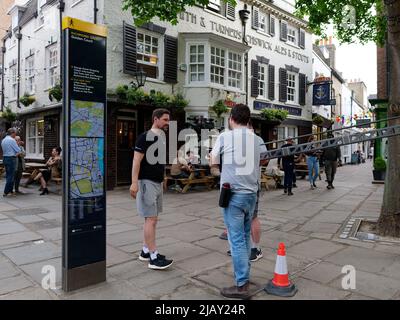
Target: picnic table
201 178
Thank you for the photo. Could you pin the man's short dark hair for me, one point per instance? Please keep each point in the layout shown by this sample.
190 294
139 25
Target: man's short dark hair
241 114
158 113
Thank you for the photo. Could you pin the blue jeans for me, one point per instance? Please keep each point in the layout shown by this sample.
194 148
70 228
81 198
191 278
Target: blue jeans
9 164
312 163
237 217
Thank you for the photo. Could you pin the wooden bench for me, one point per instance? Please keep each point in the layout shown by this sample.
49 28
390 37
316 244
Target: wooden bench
190 181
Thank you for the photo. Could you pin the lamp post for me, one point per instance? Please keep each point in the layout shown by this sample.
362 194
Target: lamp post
140 79
244 15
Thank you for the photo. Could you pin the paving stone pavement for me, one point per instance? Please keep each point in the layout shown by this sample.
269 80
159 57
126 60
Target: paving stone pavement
309 223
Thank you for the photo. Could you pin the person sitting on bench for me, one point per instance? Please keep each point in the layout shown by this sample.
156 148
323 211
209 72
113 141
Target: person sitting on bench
53 171
180 169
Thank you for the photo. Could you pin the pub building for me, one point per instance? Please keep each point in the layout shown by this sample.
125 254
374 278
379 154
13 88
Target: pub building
212 54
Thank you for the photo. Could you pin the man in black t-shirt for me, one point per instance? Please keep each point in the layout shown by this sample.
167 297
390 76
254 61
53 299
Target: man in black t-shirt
147 177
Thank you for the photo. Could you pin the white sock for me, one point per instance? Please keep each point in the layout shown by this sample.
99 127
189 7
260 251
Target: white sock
153 255
145 249
255 245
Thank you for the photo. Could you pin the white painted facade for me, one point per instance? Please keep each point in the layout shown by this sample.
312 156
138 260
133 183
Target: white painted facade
40 57
206 28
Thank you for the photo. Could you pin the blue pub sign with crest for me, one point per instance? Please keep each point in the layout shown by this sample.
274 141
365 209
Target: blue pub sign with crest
321 93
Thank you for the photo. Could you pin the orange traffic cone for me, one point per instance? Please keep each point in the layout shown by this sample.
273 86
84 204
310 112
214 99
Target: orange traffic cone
280 285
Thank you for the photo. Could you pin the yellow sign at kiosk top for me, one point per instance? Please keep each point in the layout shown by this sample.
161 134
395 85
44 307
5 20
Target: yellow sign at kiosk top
80 25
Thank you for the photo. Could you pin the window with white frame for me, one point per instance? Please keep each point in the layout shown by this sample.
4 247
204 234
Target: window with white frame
52 58
217 70
262 80
262 22
35 136
148 53
40 16
291 87
292 35
14 81
30 74
234 70
214 5
196 63
284 132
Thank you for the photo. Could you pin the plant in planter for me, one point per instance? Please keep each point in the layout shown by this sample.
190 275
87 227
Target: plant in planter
274 115
135 96
318 120
121 91
55 93
27 99
219 108
178 102
8 115
379 171
159 99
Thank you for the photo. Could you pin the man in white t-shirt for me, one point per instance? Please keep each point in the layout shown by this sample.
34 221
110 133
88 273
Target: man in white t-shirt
240 149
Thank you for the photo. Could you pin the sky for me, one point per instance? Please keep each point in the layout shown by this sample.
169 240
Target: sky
357 61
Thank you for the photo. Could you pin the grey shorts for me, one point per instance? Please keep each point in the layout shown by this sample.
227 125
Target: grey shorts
149 198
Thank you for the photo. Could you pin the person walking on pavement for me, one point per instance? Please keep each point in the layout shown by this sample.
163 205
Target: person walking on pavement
20 164
331 156
256 253
11 151
288 168
241 171
313 165
146 187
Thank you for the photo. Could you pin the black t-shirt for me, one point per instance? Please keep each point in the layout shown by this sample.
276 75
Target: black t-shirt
153 172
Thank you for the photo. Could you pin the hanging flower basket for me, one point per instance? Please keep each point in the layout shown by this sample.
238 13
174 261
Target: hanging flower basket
55 93
318 120
274 116
27 99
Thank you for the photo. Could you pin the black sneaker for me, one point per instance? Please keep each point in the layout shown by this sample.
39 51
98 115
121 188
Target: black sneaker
284 191
229 253
314 185
290 193
255 254
144 256
160 263
329 186
332 186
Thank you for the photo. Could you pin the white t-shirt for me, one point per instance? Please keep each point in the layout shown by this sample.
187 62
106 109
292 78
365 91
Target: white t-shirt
240 149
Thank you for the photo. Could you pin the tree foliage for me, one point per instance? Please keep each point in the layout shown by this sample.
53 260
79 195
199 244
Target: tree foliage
166 10
353 20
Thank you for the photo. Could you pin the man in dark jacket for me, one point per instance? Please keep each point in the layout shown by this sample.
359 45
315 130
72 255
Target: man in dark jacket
331 156
288 168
